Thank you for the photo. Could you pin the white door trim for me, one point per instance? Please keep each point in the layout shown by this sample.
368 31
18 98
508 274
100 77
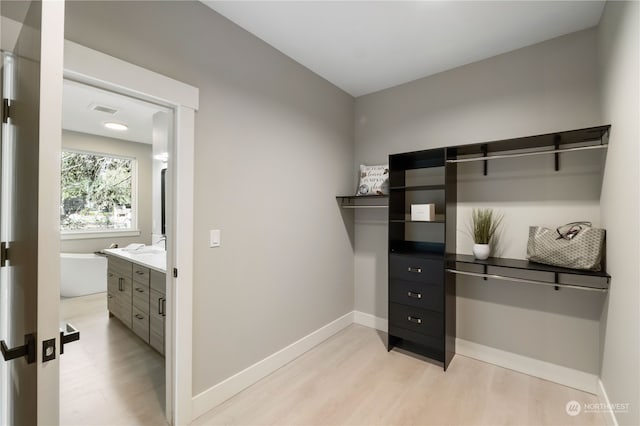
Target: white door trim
48 265
104 71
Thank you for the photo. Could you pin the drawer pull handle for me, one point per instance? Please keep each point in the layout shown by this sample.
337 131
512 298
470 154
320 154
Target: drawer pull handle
414 295
140 317
414 270
159 305
414 319
139 290
164 307
140 272
120 284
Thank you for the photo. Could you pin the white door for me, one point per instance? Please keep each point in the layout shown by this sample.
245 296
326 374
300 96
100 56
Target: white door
32 51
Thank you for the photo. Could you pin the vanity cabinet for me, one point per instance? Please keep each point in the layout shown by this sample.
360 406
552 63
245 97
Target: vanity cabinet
136 296
157 311
119 290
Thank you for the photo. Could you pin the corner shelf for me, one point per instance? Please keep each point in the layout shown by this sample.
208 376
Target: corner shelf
588 280
363 201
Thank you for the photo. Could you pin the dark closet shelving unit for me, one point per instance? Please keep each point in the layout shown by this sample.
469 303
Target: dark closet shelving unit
421 295
423 265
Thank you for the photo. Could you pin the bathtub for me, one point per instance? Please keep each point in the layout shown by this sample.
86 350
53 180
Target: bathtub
82 274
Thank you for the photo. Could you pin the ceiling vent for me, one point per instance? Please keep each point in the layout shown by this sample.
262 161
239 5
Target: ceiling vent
103 108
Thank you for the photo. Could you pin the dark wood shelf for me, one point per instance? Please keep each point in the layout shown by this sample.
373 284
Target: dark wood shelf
423 250
360 197
363 201
418 188
415 221
599 279
547 140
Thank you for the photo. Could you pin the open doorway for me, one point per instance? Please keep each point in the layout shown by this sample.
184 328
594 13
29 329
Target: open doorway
115 152
91 67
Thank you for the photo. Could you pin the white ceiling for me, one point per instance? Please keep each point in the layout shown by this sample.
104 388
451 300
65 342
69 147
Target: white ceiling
366 46
78 115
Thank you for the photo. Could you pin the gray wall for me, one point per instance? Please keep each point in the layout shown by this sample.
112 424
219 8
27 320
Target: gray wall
619 50
104 145
542 88
273 147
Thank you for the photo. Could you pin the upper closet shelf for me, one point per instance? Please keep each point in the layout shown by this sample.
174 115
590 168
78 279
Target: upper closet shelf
550 143
363 201
519 270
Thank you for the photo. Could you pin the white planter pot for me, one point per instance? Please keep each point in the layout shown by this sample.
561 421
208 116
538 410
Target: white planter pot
481 251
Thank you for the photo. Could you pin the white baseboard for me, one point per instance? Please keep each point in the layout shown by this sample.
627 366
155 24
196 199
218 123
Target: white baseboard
224 390
534 367
371 321
609 415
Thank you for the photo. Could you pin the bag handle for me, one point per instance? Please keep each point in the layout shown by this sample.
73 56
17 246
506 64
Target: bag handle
574 229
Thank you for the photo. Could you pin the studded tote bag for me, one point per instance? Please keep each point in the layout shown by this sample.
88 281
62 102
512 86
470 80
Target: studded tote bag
575 245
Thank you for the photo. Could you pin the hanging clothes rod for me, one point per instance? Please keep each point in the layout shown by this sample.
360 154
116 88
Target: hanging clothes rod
522 280
364 207
527 154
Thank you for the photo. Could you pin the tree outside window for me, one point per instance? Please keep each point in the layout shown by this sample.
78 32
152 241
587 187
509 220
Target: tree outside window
96 192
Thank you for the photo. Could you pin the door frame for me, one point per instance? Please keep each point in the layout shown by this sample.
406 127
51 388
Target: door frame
107 72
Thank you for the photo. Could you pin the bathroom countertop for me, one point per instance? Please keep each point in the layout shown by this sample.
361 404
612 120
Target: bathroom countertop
149 256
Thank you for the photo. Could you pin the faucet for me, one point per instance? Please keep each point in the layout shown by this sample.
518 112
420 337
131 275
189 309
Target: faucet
163 239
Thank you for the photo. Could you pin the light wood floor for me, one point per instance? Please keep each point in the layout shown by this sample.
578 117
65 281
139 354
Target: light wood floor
351 379
110 376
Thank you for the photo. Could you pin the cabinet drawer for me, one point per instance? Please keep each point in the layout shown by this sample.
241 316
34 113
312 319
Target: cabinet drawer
425 322
158 281
140 274
417 294
435 344
141 297
416 269
120 266
140 324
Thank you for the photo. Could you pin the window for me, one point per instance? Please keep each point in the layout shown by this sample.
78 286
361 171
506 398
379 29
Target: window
97 194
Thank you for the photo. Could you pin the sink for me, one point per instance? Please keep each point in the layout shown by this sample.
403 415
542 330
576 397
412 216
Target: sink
146 250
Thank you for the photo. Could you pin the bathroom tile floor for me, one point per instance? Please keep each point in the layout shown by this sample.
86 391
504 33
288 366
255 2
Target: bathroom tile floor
110 376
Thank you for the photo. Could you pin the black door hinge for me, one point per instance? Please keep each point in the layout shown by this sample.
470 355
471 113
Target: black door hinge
175 272
6 110
4 254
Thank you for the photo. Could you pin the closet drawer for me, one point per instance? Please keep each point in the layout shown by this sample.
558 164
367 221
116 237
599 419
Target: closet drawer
418 320
417 294
416 269
435 344
140 324
141 274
